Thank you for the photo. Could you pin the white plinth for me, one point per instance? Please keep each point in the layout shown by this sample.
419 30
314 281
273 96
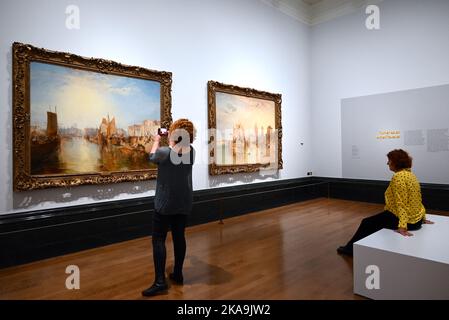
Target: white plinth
414 267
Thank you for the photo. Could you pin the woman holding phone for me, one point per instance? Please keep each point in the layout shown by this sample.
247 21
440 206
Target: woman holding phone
173 200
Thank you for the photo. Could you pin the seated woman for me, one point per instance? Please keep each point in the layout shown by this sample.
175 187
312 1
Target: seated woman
403 203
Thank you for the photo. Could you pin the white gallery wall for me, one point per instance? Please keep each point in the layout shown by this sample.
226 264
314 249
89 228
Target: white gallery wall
409 51
241 42
417 121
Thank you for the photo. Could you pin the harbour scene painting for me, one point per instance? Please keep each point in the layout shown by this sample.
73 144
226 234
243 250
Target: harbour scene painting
88 122
246 130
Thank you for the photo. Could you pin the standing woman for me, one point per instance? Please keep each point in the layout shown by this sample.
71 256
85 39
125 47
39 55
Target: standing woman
173 200
404 210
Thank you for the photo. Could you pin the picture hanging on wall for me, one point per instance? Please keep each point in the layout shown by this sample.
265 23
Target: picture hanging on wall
245 130
80 120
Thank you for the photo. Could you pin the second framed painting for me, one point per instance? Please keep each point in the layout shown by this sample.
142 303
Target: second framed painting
245 129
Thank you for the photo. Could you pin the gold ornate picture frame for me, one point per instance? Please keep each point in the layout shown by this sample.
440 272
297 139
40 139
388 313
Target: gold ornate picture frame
79 120
245 129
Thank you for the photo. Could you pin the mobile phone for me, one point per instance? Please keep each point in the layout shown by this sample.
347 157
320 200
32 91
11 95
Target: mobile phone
162 131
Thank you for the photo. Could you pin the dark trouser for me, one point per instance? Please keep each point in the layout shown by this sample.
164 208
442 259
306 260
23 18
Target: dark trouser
161 224
377 222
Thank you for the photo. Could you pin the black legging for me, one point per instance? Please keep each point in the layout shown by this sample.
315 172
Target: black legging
377 222
161 224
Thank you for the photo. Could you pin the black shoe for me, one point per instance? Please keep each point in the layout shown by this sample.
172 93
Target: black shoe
155 289
345 251
178 279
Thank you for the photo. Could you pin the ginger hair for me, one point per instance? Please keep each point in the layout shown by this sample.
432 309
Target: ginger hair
184 124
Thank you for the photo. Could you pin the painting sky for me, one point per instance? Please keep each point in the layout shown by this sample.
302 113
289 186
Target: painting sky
234 109
82 98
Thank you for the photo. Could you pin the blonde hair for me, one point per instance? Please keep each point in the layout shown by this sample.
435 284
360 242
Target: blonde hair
185 124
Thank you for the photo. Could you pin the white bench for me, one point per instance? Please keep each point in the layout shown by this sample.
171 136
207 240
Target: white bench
414 267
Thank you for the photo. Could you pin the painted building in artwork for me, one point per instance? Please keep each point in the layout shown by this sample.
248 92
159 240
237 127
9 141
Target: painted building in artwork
239 145
249 147
268 141
147 129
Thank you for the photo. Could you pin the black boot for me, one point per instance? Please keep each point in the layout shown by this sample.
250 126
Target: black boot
155 289
178 279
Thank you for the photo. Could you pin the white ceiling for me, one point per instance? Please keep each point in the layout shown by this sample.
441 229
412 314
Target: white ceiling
313 12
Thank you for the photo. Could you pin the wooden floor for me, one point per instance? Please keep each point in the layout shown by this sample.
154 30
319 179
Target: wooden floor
283 253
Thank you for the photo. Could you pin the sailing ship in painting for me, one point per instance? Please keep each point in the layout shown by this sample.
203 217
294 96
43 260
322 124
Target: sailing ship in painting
136 137
45 144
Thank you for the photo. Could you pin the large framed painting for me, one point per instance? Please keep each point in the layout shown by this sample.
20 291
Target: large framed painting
245 129
80 120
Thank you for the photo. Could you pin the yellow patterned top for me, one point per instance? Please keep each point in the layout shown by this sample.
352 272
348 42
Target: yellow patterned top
403 198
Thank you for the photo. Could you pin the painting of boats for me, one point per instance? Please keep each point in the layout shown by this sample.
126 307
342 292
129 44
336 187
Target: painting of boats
84 122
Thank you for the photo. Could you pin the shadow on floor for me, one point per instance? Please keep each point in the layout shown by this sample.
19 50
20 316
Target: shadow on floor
199 272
